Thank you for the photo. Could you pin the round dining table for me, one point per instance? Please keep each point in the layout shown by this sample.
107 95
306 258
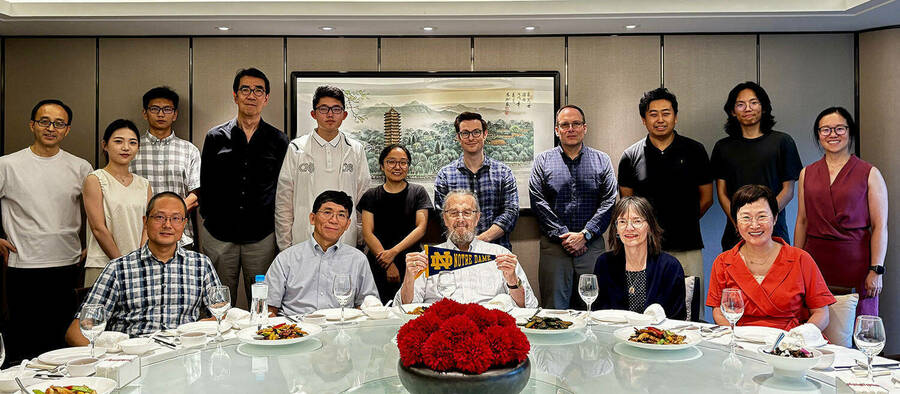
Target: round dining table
363 358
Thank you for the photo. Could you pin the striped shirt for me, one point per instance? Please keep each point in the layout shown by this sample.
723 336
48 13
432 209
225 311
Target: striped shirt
142 294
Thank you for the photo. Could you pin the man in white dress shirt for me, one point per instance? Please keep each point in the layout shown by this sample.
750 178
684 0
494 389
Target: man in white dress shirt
478 283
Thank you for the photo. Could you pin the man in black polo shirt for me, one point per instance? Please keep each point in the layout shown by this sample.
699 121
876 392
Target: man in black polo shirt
672 172
239 172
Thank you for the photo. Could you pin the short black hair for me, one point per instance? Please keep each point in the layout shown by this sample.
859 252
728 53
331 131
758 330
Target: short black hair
160 92
51 102
249 72
659 93
749 194
119 124
469 116
387 150
766 122
328 91
159 195
853 128
337 197
580 111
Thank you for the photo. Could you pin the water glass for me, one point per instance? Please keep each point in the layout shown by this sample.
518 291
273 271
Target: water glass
588 289
732 307
92 322
343 291
218 300
869 336
446 283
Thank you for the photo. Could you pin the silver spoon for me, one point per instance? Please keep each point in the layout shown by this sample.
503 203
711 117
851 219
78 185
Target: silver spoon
21 386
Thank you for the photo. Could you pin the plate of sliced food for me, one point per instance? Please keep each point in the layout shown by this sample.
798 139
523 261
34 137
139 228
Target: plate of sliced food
543 325
655 338
279 334
412 311
84 385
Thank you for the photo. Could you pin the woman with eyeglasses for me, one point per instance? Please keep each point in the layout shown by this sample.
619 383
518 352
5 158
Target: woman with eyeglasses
114 200
394 218
781 284
842 217
636 273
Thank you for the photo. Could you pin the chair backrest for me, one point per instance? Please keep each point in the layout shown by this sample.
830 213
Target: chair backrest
841 317
692 298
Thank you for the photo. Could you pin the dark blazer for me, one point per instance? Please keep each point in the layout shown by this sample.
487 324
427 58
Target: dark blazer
665 283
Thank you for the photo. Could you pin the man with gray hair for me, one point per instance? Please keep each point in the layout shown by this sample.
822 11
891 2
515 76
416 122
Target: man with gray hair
477 283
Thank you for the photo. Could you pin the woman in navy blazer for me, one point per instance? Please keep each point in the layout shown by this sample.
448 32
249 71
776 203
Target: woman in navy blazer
636 273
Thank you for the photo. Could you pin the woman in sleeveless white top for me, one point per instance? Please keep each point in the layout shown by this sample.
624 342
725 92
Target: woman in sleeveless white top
115 201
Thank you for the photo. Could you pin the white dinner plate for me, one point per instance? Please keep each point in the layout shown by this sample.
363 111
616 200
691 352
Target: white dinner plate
577 325
101 385
614 316
246 336
757 334
334 314
409 308
66 354
691 339
207 327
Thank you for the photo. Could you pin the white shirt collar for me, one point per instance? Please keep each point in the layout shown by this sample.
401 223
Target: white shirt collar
321 141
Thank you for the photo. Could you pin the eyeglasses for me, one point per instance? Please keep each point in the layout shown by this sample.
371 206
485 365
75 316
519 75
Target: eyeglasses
573 125
166 110
328 214
825 131
161 219
323 110
467 214
46 123
472 133
742 105
636 223
761 219
257 91
392 163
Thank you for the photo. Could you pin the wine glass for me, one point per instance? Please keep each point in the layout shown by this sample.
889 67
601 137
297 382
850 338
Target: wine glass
343 291
446 283
588 289
218 300
219 364
92 322
732 307
868 334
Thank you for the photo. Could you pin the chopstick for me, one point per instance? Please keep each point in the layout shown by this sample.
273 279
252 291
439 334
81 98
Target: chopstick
164 343
884 365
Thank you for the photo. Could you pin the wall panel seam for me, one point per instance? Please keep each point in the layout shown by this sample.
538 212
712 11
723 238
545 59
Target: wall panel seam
662 60
2 96
96 102
285 78
191 89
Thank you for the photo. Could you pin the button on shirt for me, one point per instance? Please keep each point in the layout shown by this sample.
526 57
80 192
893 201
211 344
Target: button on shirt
495 187
478 283
569 195
301 277
239 180
142 294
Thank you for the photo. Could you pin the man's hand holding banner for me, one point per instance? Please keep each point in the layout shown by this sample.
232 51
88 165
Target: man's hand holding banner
440 260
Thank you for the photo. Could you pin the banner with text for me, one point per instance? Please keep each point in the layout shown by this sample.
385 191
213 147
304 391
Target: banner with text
440 260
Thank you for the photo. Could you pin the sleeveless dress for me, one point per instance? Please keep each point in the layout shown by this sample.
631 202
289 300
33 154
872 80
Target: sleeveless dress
123 210
838 230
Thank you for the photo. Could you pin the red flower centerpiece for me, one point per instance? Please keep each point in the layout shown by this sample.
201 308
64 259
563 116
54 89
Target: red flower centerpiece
463 348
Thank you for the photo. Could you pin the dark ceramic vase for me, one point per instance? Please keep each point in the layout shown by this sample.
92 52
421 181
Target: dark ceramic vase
510 380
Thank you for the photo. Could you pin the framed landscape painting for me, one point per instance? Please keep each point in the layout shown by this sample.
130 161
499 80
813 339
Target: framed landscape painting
418 109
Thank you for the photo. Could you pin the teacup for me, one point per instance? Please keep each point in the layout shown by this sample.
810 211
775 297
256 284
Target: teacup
378 312
194 338
82 366
314 318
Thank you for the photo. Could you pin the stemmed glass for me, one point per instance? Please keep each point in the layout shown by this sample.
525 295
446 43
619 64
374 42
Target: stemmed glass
2 351
219 364
732 307
869 337
446 283
343 291
218 300
92 322
588 289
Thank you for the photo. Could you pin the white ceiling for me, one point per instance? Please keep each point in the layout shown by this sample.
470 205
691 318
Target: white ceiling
472 17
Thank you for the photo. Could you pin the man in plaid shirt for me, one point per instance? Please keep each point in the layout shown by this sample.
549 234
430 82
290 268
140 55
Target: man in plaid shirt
491 181
159 286
171 164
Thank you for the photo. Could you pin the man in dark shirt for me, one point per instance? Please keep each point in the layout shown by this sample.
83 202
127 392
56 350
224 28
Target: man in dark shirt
239 172
672 172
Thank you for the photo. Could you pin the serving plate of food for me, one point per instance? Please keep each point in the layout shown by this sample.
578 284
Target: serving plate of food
83 385
278 334
412 310
654 338
546 325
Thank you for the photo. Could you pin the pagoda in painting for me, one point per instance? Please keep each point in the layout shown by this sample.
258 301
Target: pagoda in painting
391 127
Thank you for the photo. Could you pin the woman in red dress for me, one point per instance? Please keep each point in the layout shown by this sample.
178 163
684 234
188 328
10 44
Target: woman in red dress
842 218
781 284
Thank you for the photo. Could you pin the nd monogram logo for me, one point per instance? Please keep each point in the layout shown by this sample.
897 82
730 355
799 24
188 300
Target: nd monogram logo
307 167
441 261
347 167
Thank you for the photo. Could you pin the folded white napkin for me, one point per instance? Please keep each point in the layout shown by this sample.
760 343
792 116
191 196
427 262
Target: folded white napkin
110 340
501 301
370 301
236 314
657 312
809 333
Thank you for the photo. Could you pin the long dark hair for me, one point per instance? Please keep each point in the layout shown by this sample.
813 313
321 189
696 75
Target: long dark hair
766 122
119 124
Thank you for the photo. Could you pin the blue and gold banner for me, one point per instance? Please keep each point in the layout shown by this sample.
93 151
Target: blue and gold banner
440 260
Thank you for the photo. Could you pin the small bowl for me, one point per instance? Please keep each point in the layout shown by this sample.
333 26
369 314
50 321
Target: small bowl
378 312
192 339
792 367
8 379
137 346
82 366
314 318
827 359
639 319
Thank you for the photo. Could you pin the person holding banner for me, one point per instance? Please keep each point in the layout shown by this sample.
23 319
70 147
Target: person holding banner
482 270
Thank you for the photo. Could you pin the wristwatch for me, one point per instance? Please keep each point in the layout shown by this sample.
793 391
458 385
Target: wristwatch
587 234
878 269
516 286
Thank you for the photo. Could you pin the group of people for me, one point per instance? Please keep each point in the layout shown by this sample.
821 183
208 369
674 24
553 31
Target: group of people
301 212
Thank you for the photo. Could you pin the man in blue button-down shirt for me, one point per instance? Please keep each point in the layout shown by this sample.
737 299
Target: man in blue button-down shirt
572 189
491 181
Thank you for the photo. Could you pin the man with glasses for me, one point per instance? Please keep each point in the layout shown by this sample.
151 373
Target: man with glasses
572 190
491 181
324 159
239 174
156 287
300 279
171 164
478 283
40 201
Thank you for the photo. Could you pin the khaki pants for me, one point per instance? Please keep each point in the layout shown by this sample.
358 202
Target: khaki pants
230 259
90 275
558 273
692 262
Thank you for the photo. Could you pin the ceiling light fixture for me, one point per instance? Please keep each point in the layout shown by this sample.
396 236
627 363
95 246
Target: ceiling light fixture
223 28
630 27
326 28
529 28
429 28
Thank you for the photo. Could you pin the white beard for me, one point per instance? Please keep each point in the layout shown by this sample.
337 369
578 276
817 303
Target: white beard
464 238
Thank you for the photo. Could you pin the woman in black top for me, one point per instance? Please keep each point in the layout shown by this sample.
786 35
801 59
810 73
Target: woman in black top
394 218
